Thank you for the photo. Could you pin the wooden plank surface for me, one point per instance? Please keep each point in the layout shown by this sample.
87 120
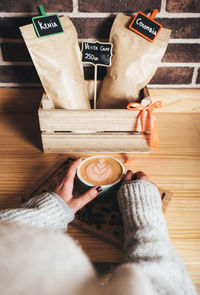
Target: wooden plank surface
177 100
174 166
16 99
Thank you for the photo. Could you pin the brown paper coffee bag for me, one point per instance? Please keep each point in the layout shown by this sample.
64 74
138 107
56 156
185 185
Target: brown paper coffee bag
57 59
134 63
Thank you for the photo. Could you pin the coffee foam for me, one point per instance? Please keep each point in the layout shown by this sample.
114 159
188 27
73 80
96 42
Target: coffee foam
101 171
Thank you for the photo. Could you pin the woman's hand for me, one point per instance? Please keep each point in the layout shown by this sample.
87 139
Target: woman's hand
64 189
139 175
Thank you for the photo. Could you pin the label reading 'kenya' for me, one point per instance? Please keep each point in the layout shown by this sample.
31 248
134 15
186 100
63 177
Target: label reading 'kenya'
47 25
145 26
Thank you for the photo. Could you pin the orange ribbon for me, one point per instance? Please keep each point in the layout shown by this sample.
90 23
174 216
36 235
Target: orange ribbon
134 106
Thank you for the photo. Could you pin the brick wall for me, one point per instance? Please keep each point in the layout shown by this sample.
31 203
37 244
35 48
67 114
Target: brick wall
93 19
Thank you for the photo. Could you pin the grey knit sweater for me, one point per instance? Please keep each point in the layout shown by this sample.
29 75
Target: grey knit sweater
151 265
47 211
147 242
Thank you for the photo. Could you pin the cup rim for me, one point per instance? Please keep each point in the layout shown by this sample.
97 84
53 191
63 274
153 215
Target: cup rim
103 185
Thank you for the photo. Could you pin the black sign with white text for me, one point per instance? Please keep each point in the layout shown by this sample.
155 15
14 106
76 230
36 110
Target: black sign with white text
97 53
47 25
145 26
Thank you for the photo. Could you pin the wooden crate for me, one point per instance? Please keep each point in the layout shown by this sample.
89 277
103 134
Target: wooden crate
100 130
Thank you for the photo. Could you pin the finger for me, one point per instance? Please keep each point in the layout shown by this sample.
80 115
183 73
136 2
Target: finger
140 175
71 172
128 176
68 163
78 203
57 180
68 179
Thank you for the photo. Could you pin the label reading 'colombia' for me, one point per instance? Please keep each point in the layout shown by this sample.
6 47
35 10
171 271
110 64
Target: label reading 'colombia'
145 26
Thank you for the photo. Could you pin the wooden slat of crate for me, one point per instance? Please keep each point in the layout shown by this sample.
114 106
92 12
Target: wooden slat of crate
99 142
89 120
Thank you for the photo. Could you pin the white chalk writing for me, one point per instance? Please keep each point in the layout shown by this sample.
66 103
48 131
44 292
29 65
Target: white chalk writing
145 27
45 26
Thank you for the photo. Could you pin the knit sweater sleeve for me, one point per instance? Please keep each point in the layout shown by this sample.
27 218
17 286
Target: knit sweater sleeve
46 211
146 240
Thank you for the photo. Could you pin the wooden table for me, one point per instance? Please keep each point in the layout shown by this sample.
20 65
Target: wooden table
175 165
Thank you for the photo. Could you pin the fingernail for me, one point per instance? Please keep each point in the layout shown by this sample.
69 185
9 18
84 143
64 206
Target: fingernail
98 189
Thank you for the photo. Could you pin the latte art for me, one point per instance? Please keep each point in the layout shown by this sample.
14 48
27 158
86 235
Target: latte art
101 171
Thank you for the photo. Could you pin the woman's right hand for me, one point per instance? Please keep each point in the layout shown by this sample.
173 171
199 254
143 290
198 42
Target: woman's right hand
139 175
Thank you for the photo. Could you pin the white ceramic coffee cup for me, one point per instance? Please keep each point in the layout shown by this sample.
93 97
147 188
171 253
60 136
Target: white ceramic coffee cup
105 188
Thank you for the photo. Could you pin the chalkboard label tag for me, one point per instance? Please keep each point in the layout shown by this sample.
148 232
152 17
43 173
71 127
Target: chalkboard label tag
47 25
146 26
97 53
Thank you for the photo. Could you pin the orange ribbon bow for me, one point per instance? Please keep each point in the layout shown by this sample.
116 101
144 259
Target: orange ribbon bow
134 106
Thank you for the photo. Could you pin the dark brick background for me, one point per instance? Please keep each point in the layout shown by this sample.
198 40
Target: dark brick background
164 75
99 28
174 53
184 28
117 5
182 53
173 75
9 26
183 6
18 74
15 52
31 6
